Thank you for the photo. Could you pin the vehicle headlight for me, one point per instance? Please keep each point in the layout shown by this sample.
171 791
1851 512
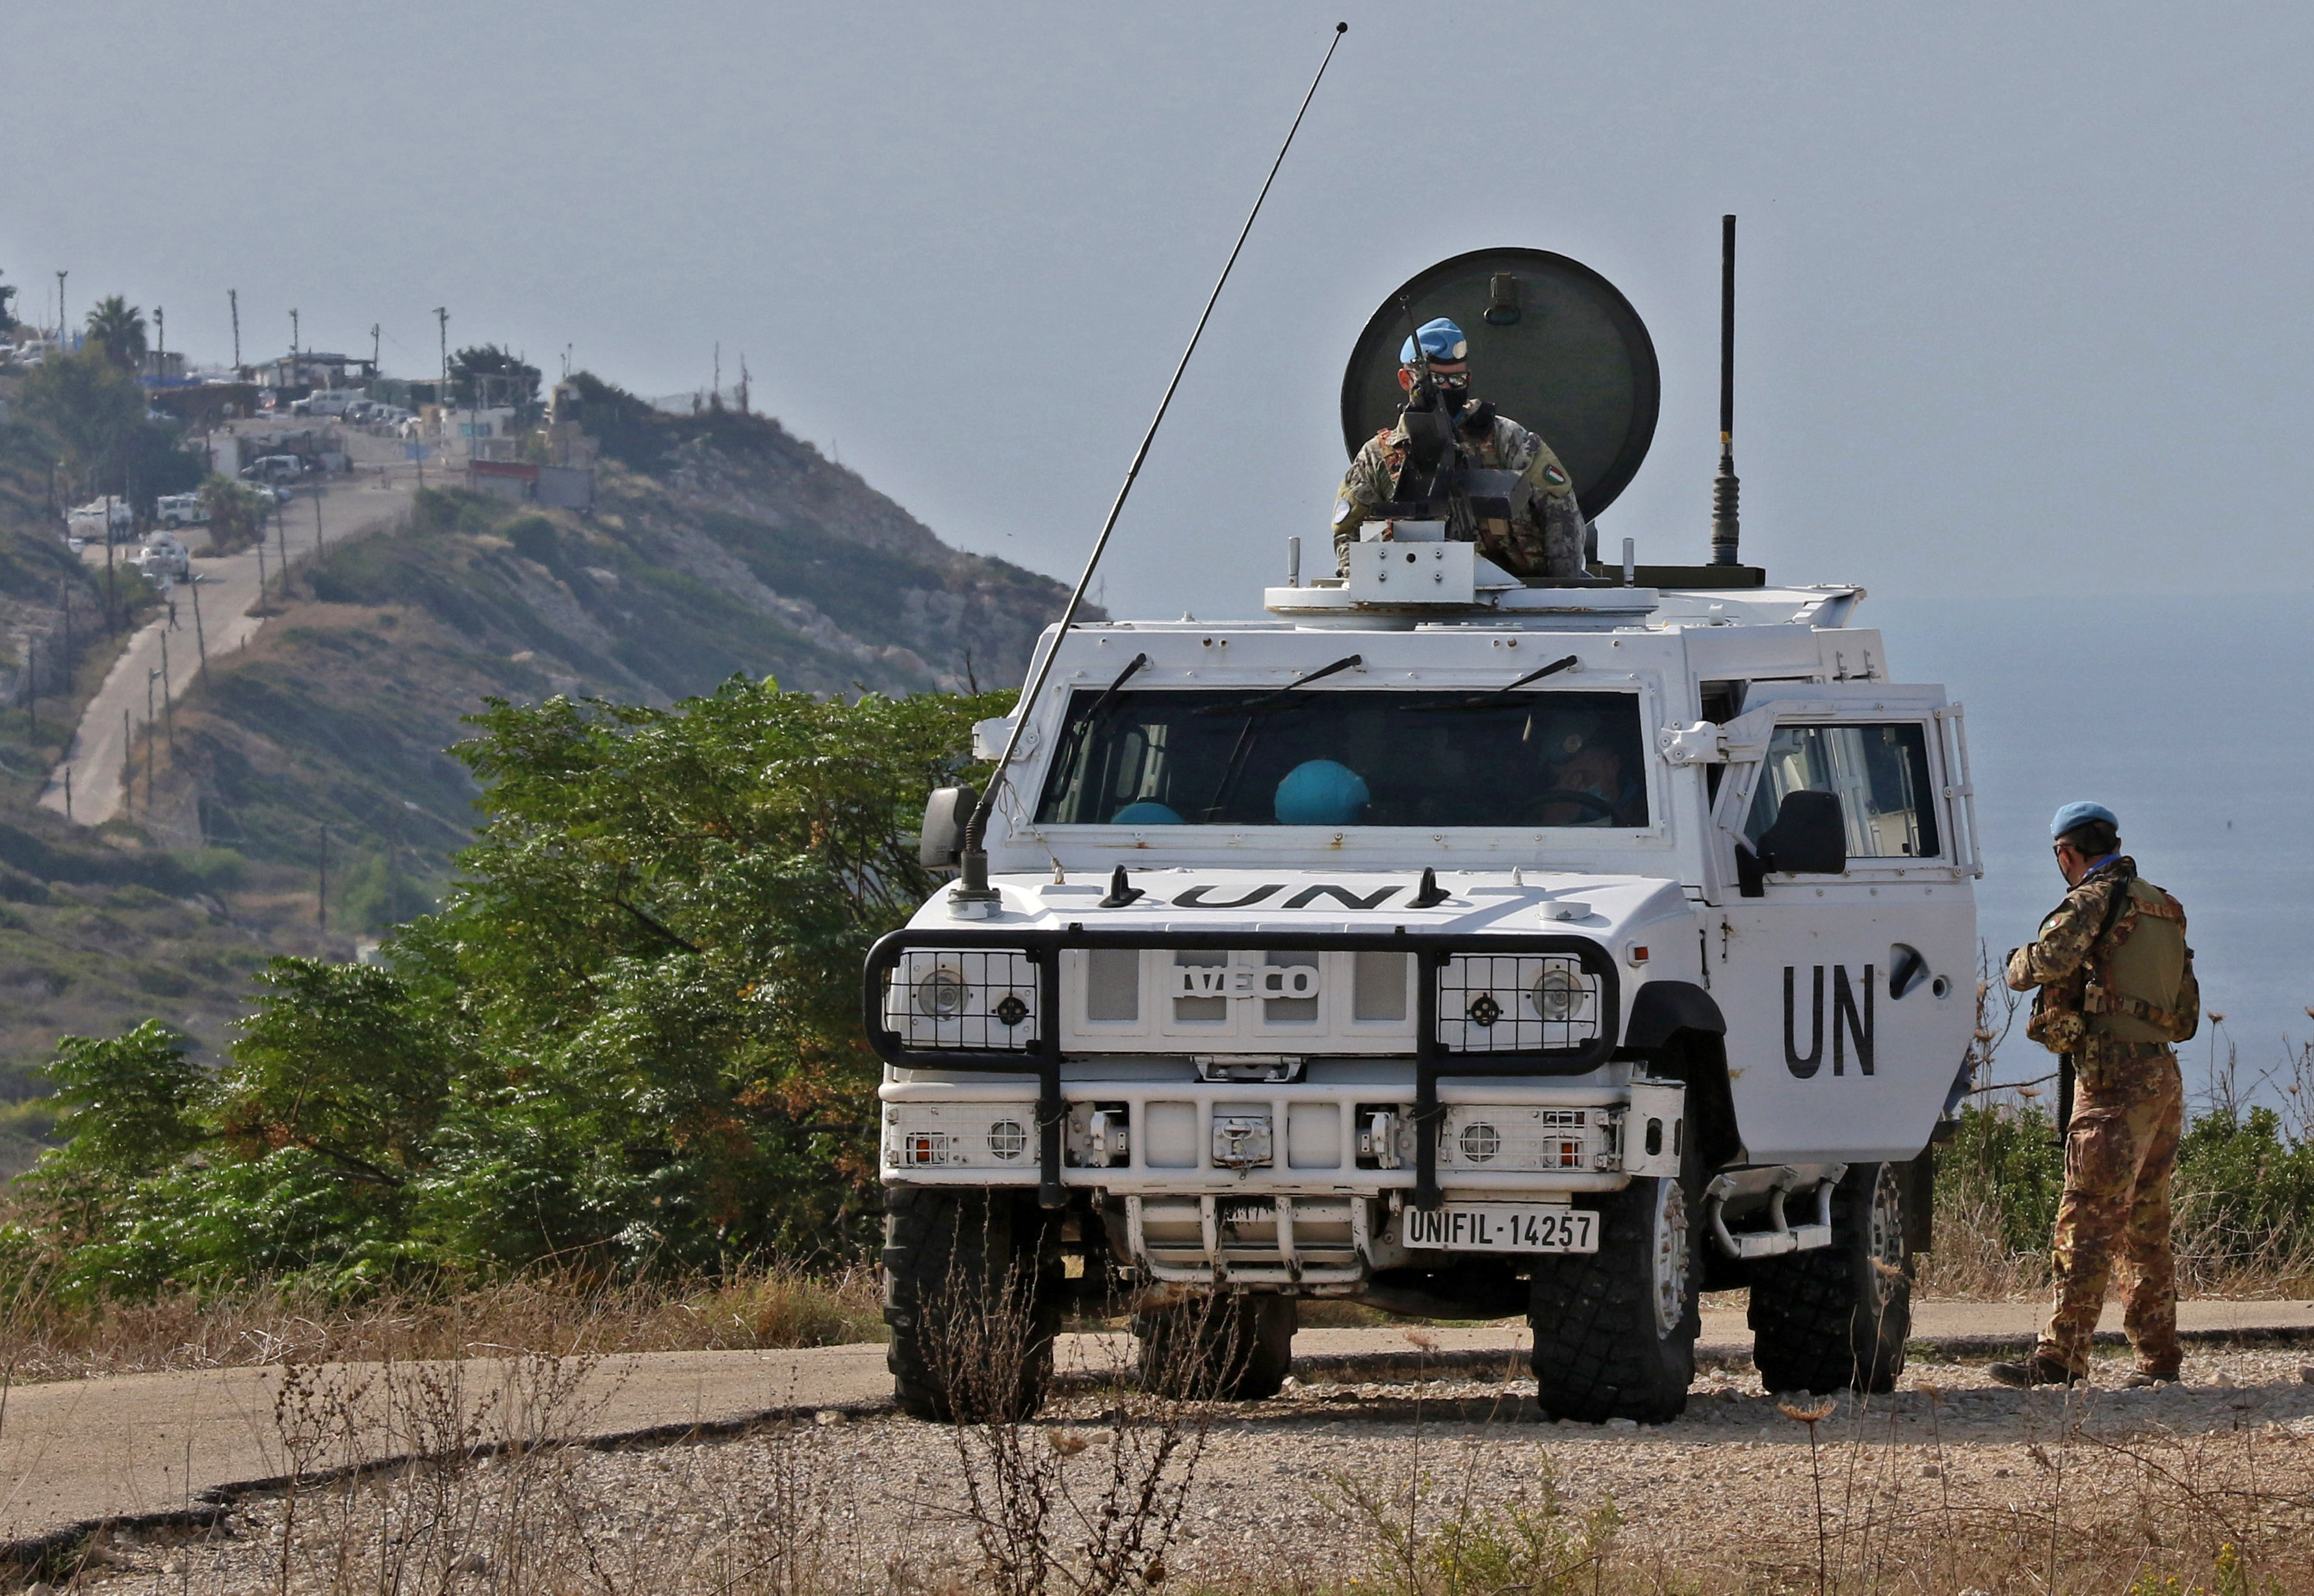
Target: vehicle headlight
943 993
1526 1002
1558 994
968 999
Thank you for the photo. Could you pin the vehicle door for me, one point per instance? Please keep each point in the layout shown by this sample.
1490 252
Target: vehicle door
1848 983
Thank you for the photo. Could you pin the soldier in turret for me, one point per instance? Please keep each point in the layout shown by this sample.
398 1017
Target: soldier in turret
1548 543
2117 988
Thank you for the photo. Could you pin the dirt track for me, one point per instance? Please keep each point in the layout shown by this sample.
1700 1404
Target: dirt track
1731 1487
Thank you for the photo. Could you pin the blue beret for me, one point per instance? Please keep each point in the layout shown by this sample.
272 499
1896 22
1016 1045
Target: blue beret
1321 792
2073 815
1441 340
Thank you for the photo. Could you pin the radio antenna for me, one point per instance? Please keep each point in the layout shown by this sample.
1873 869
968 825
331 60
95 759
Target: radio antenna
1725 530
973 887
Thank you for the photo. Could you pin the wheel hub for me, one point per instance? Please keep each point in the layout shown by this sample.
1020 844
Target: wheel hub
1886 1256
1672 1257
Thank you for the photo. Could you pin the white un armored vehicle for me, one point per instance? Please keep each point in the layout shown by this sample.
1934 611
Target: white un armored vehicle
1449 943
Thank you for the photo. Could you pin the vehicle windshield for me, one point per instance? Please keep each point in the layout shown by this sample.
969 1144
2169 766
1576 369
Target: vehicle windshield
1334 758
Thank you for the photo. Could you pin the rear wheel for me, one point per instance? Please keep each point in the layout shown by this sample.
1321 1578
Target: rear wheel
1238 1348
973 1281
1614 1330
1839 1316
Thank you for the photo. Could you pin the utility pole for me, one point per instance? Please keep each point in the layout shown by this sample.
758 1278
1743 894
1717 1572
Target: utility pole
260 576
168 707
161 334
64 339
233 297
319 548
281 534
442 325
68 814
293 345
373 350
201 638
152 673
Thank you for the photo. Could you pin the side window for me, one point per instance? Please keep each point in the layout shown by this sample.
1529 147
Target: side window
1879 773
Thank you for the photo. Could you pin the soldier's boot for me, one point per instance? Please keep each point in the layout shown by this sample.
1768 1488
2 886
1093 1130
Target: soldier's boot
2144 1378
2039 1370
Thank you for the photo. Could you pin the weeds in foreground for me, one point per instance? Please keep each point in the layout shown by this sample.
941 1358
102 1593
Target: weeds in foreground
1093 1510
1533 1547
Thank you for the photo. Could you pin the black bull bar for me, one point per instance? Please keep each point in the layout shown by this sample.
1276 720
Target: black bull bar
1042 1055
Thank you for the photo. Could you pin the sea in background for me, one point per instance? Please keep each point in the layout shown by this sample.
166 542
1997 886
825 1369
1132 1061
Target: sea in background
2186 717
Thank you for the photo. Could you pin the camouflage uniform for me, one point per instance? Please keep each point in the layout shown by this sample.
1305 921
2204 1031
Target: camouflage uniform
1549 546
2128 1106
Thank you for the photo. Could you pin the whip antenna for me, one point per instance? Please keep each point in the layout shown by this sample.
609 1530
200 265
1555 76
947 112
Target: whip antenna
974 885
1723 527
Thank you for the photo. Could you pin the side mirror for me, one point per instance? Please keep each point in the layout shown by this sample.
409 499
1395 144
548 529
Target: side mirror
1809 836
942 844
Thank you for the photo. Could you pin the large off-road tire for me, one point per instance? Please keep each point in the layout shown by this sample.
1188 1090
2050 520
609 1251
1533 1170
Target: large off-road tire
1839 1316
1236 1348
1614 1330
973 1285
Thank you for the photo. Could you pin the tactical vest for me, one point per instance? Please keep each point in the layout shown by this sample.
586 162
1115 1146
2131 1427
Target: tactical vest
2136 985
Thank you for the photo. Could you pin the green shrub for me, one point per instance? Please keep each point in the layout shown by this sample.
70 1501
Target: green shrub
629 1040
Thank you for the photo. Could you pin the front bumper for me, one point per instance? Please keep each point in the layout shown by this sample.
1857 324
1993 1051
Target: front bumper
1440 1043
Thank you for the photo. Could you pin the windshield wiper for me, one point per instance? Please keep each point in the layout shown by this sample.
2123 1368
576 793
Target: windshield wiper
1109 694
1270 701
1253 709
1081 731
1496 698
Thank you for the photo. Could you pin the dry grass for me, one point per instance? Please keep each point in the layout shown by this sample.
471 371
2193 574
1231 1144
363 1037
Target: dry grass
773 1306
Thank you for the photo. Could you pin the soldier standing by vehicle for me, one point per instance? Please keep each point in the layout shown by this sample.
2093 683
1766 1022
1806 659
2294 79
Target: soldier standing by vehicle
1548 543
2117 988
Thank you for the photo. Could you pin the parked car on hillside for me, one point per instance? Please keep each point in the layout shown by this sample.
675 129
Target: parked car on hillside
183 509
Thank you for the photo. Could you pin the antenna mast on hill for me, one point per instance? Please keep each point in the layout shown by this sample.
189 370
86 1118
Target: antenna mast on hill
972 895
233 298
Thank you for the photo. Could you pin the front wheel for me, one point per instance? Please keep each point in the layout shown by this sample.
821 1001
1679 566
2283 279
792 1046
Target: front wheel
1614 1330
1236 1348
1839 1316
973 1281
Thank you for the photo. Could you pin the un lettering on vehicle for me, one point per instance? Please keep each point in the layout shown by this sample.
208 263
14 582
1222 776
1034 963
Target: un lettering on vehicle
1851 1020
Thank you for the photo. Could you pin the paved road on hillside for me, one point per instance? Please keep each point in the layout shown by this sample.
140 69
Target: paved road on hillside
75 1453
350 508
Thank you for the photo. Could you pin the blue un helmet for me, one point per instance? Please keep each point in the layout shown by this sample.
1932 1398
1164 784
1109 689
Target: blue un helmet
1441 340
1322 792
2080 814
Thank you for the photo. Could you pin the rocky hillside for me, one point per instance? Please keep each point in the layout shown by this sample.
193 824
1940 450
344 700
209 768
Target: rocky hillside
720 543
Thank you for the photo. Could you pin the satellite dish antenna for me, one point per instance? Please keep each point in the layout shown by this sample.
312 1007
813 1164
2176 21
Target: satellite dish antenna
1553 344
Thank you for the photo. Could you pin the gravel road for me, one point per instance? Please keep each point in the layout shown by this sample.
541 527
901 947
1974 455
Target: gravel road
1729 1486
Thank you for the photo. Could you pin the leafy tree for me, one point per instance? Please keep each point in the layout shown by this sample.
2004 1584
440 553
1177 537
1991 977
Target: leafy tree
237 514
90 407
117 328
630 1037
487 374
8 323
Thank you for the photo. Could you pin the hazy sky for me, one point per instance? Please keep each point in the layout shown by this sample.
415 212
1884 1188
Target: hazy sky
2024 289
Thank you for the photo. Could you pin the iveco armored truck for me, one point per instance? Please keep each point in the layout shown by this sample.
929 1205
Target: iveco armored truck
1452 943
